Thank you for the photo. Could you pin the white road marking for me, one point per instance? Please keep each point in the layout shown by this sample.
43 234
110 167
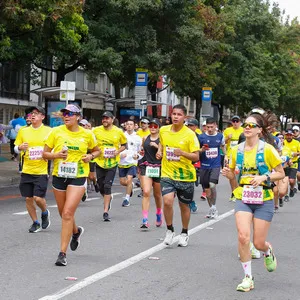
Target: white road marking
51 206
128 262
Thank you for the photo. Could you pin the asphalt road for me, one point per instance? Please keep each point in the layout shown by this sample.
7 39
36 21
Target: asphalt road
113 259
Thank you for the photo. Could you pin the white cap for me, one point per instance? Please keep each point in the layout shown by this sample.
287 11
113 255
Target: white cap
296 128
204 123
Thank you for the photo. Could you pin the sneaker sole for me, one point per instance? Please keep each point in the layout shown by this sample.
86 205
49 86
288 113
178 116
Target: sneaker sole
143 226
38 230
60 264
246 290
49 221
183 245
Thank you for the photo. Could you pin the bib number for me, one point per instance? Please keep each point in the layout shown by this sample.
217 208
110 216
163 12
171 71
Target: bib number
252 195
211 153
152 172
170 154
109 152
35 153
67 169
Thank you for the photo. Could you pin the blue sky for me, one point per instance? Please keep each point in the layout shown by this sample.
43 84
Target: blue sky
292 7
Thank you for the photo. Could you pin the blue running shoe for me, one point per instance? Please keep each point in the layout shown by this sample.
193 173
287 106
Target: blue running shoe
193 206
125 203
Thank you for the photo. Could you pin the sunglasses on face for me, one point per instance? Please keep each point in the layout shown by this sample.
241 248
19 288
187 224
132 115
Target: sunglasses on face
250 125
235 121
153 126
68 114
295 130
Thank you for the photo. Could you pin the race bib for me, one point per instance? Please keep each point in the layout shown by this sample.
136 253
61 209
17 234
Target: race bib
35 153
212 153
67 169
170 154
233 143
152 171
109 152
252 195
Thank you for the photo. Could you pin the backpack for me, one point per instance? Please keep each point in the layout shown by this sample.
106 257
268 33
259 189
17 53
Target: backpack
260 160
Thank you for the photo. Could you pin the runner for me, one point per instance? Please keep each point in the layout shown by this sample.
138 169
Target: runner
111 141
150 174
178 148
67 145
34 178
211 142
231 135
296 132
254 160
294 147
128 162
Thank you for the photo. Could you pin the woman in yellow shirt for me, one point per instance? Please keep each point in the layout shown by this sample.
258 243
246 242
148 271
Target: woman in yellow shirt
252 162
67 145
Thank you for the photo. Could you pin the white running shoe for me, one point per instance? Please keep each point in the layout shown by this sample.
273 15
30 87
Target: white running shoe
254 252
208 216
183 240
214 213
169 237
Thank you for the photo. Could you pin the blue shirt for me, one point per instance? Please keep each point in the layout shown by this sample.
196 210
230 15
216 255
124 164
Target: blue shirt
211 158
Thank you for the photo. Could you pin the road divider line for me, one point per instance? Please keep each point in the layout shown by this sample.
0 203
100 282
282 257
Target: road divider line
128 262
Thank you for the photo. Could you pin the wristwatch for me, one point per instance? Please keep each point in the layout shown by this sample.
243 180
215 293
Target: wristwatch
268 179
92 156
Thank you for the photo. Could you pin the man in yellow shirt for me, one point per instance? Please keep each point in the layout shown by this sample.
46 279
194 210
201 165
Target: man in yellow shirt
231 135
144 130
34 179
291 171
178 148
111 141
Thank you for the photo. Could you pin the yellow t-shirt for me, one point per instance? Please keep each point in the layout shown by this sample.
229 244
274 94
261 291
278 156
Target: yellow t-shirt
108 141
198 130
234 139
294 146
35 137
143 133
78 144
174 167
272 160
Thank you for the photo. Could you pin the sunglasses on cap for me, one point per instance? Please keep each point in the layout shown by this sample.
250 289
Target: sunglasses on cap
235 121
250 125
153 126
69 114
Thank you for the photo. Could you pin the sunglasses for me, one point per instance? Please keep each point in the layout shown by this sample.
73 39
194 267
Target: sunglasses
153 126
295 130
250 125
235 121
68 114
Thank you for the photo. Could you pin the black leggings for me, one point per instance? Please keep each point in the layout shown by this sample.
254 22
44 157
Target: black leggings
105 179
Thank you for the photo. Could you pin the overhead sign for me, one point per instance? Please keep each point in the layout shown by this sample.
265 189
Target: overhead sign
67 90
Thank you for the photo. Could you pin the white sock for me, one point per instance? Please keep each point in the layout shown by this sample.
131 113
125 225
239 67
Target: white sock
127 197
267 253
247 268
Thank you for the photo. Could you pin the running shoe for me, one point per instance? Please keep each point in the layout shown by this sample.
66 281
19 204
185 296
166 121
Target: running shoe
125 203
295 190
35 227
132 191
96 186
140 195
158 221
145 224
193 206
286 198
270 261
138 183
46 220
214 213
75 241
61 259
254 252
183 240
110 202
169 237
280 202
84 197
291 193
106 217
208 216
203 196
246 285
232 198
276 209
